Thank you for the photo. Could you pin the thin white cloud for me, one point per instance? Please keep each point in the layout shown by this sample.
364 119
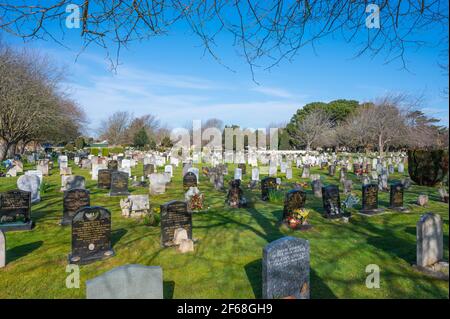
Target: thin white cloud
273 91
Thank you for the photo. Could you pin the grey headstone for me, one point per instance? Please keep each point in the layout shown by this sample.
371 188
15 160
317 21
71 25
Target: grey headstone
127 282
285 269
30 183
429 240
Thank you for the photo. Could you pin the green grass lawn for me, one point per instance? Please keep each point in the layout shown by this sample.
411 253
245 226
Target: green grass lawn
227 258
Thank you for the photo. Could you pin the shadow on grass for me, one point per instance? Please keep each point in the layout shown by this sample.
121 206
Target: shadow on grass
22 250
318 288
116 235
254 275
168 289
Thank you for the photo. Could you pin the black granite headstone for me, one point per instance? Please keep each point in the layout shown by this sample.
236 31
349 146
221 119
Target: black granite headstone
396 197
113 165
370 199
74 199
119 184
174 215
294 199
189 180
91 235
331 201
267 184
104 178
15 210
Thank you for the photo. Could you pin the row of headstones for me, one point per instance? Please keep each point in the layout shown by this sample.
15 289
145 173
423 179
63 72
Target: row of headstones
285 262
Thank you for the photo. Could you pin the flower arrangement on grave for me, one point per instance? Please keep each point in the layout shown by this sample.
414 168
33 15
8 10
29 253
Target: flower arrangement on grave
303 184
196 202
350 201
297 217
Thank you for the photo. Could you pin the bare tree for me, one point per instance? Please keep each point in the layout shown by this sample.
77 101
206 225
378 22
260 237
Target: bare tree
30 104
313 128
265 32
114 129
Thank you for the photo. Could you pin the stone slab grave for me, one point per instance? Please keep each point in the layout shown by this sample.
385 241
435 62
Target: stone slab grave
2 249
91 235
430 246
15 211
127 282
332 202
396 198
36 173
30 183
73 200
370 200
174 215
286 269
135 206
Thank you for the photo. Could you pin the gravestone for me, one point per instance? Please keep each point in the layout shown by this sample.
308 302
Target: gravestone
285 269
288 173
2 249
348 186
235 195
73 200
396 197
238 173
401 168
91 235
104 178
148 169
15 210
255 174
113 165
157 183
174 215
331 170
30 183
294 199
72 182
305 172
317 188
430 247
119 184
370 199
331 201
127 282
267 184
169 169
189 180
135 206
343 174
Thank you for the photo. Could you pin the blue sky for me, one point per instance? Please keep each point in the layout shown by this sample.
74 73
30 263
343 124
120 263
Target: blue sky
172 78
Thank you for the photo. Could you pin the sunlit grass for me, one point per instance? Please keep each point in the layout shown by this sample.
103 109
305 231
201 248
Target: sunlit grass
227 258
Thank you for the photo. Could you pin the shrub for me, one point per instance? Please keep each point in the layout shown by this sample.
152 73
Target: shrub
94 151
105 151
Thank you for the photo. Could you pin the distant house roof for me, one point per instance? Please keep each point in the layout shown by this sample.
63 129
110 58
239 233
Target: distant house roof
100 144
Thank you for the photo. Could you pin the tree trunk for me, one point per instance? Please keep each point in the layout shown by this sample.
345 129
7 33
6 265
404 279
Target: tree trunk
380 145
4 150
